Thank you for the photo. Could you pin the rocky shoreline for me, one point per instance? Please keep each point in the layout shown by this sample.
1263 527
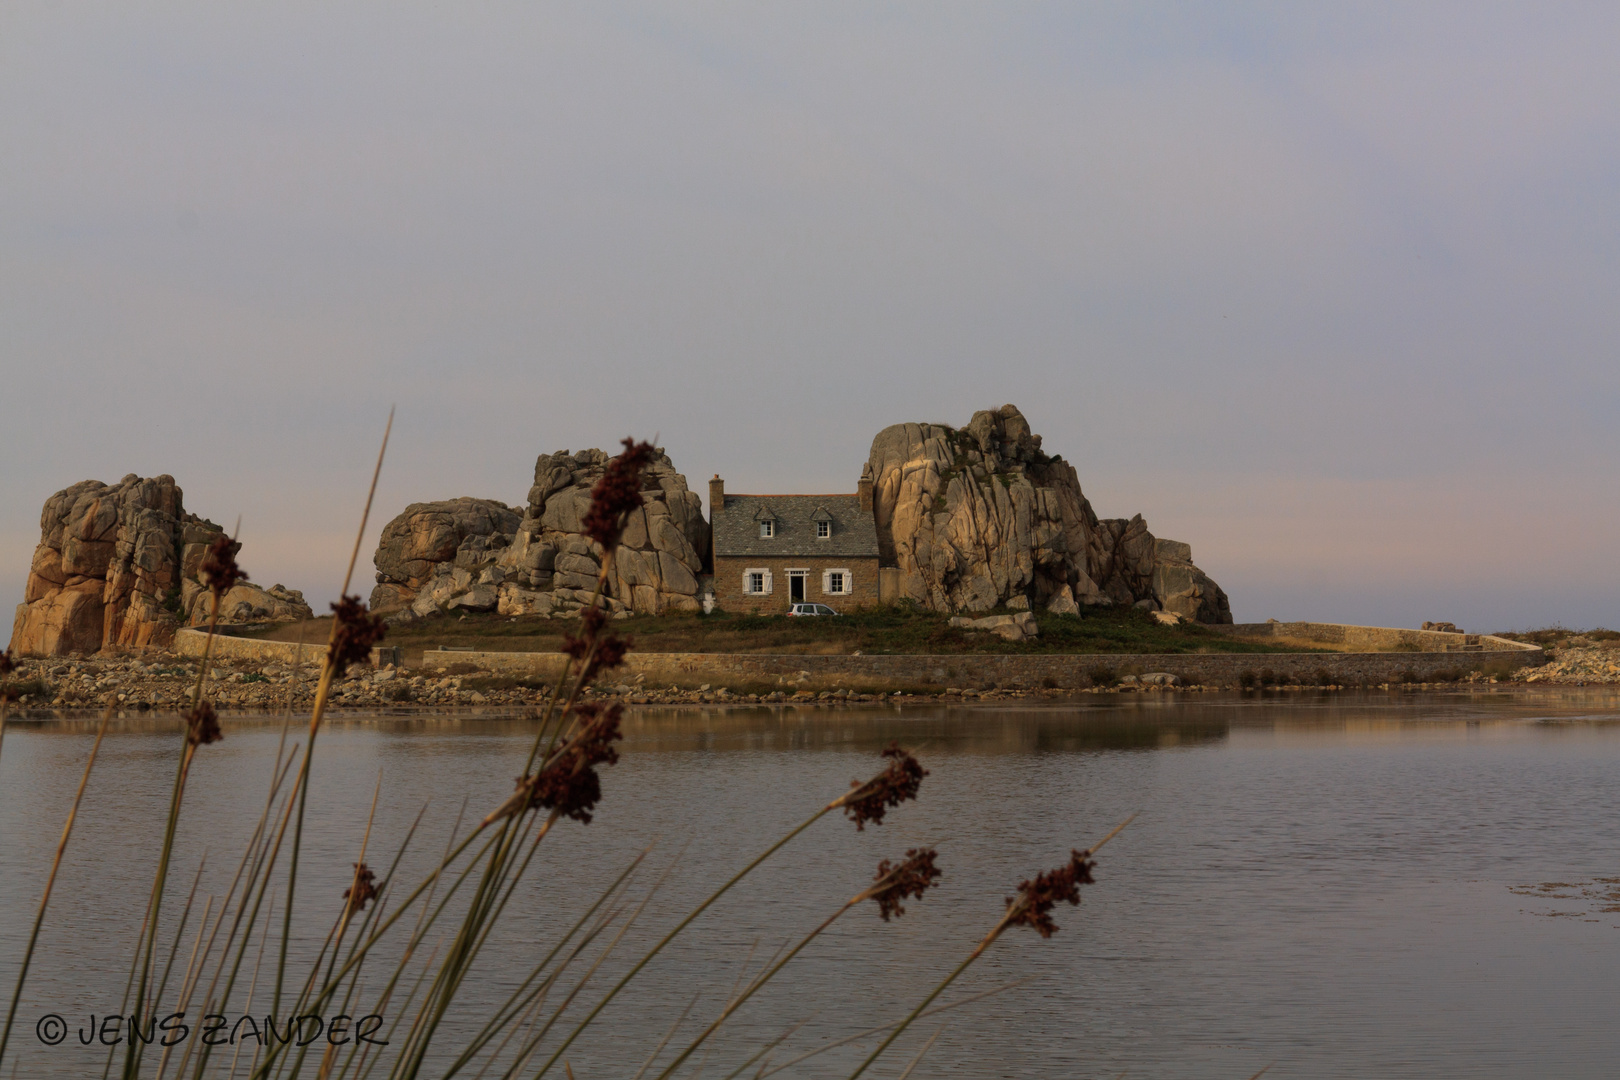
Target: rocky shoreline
1579 665
163 682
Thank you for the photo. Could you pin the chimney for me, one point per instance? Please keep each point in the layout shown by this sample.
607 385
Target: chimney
717 496
865 488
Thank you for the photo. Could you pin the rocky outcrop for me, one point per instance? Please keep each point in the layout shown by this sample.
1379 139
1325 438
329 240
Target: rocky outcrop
1019 626
1180 588
116 566
978 516
244 603
478 555
431 540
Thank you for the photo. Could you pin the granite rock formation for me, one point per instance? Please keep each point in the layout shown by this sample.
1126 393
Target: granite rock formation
244 603
432 540
478 555
978 516
1019 626
1180 588
116 566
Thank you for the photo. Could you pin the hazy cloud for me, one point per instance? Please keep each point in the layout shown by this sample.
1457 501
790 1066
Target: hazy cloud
1329 294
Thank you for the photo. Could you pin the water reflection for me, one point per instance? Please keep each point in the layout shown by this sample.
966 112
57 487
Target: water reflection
1105 722
1337 883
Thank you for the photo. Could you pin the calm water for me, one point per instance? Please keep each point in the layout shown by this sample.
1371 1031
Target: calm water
1342 886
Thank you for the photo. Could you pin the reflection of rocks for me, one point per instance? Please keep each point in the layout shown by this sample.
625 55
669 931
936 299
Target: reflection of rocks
975 517
478 555
117 565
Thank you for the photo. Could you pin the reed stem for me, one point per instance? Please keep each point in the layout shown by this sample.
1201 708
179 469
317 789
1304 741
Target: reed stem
1013 910
50 883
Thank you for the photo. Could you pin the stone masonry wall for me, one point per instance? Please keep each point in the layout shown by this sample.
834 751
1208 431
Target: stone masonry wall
979 670
1371 638
728 583
192 643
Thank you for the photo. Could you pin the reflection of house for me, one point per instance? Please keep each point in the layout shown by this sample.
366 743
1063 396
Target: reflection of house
774 550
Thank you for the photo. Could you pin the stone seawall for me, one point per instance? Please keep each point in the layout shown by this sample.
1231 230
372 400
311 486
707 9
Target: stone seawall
978 670
935 672
1373 638
190 644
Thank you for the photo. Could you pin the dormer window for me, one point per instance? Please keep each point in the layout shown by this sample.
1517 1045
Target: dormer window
823 530
767 529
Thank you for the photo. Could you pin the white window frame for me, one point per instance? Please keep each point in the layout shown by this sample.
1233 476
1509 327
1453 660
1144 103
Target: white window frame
748 581
823 530
848 582
767 529
803 573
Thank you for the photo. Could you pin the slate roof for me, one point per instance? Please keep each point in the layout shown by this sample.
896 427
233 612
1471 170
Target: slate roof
736 527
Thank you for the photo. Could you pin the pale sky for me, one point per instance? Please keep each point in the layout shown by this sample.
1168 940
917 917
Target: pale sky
1327 291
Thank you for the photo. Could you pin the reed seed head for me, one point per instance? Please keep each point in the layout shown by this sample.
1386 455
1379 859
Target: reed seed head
202 725
1033 905
915 875
363 890
898 782
617 493
7 665
609 648
568 781
357 631
219 570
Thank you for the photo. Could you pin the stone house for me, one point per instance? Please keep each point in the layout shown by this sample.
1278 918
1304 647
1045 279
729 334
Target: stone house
772 551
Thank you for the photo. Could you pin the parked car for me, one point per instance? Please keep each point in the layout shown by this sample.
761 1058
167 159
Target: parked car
811 609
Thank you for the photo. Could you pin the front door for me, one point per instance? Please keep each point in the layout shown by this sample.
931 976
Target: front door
796 586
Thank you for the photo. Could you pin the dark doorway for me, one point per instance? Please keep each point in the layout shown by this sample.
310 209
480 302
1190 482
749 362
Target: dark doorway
796 588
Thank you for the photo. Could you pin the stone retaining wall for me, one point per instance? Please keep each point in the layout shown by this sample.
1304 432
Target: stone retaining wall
1374 638
190 643
971 670
978 670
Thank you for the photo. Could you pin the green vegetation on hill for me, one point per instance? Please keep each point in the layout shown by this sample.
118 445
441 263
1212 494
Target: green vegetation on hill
894 629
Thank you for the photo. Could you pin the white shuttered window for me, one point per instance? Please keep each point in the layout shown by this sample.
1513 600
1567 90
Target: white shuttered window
757 581
837 582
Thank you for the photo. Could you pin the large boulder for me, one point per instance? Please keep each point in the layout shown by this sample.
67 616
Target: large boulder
1182 589
977 516
1019 626
479 555
117 565
461 532
245 603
